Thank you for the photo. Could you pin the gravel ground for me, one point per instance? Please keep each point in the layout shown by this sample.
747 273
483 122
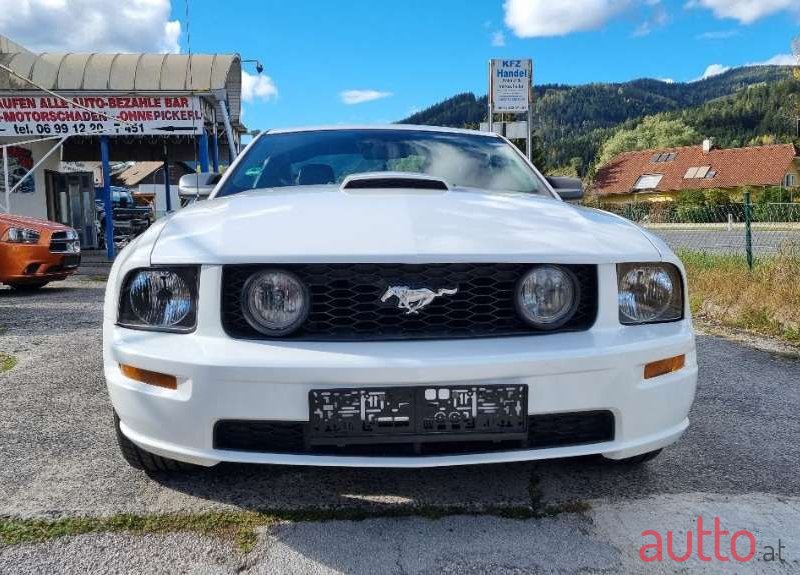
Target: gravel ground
58 458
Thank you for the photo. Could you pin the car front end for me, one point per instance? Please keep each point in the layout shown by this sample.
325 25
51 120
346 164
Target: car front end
397 322
35 252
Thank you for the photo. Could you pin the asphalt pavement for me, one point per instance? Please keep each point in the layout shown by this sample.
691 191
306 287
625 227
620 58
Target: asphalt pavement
58 459
765 240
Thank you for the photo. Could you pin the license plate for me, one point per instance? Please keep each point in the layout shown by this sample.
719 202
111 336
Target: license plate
71 261
424 413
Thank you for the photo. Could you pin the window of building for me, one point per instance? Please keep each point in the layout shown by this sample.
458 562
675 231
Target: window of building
647 182
699 172
663 157
790 181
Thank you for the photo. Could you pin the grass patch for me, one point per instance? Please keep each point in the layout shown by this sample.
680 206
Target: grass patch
240 526
765 301
237 526
7 362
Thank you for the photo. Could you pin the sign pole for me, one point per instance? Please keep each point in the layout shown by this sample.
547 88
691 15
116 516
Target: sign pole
108 203
529 139
489 97
6 180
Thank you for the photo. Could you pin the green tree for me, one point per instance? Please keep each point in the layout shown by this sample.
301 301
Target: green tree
651 132
538 156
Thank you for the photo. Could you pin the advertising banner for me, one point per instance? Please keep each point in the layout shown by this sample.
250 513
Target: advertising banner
20 161
25 115
510 83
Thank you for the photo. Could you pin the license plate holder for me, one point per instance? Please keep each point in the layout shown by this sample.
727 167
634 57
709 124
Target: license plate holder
417 414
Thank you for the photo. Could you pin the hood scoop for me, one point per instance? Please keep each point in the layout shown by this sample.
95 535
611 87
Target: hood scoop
376 181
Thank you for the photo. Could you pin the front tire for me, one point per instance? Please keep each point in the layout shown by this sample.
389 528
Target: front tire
636 459
138 458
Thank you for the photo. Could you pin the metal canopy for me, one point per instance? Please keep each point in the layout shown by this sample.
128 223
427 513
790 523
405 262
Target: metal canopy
125 73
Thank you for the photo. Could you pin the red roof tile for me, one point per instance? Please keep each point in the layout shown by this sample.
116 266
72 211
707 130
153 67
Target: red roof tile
734 167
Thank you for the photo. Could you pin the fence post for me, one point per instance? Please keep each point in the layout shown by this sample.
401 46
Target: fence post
748 237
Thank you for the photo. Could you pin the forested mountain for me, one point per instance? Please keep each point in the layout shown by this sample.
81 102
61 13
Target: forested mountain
572 122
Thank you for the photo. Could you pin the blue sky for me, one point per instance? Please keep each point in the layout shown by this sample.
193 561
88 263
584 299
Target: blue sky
392 58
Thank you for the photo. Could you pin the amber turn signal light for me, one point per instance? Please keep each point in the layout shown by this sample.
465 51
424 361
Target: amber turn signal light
664 366
149 377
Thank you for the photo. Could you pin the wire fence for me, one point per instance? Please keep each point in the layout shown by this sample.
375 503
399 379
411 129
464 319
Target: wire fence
750 230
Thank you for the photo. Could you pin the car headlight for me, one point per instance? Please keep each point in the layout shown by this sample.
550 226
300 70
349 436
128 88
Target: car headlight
160 299
649 293
275 302
547 296
21 236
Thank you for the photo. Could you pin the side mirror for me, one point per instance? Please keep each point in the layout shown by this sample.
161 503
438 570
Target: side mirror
567 188
194 185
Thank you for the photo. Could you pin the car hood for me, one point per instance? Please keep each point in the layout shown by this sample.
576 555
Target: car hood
323 223
10 220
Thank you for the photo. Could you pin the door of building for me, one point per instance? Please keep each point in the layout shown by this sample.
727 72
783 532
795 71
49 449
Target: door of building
70 201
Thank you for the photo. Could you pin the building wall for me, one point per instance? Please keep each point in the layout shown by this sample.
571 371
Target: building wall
176 170
795 170
34 204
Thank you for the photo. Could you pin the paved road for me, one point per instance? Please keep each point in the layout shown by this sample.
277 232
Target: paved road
720 240
738 461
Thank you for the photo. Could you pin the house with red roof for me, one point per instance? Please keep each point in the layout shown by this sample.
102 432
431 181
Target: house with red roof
653 175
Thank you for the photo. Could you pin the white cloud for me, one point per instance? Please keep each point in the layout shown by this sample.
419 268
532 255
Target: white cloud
717 35
258 87
498 39
666 80
777 60
531 18
351 97
91 25
713 70
746 11
658 17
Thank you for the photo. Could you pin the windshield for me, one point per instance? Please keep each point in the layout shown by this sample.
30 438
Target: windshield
329 156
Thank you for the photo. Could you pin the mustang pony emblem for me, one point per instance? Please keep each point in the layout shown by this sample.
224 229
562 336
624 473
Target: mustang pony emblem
413 300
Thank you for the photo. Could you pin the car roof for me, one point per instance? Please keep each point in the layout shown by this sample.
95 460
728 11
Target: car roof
394 127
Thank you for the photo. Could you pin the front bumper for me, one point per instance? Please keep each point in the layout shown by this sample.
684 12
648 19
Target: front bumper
225 379
20 263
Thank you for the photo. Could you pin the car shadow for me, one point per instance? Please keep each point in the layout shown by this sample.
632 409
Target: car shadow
543 486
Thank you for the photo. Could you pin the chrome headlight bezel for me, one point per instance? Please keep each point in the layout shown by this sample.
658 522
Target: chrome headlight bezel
259 324
669 308
569 310
128 317
16 235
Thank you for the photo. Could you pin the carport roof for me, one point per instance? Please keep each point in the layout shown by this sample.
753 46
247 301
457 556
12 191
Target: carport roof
126 73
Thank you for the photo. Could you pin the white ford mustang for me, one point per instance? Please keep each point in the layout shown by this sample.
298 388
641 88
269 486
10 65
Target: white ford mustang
400 297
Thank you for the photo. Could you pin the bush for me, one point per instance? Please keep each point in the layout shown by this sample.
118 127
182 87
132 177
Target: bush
698 214
691 198
773 195
763 212
636 211
717 197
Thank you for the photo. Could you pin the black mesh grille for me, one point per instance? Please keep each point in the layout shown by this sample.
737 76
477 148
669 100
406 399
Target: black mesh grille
59 242
547 430
346 301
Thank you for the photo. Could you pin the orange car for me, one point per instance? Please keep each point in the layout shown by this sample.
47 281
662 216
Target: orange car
36 252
